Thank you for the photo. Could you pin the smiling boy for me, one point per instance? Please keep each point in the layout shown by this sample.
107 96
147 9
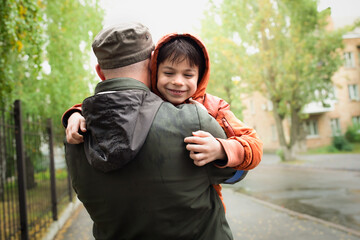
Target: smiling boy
180 71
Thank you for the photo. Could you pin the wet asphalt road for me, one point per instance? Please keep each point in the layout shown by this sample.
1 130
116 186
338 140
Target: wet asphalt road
331 194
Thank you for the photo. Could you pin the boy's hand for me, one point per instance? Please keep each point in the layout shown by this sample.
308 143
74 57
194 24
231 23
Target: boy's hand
204 148
76 122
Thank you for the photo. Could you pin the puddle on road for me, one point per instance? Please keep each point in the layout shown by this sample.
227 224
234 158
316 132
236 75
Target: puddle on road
290 199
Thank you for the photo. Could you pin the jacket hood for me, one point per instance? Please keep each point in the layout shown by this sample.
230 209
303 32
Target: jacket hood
203 82
118 119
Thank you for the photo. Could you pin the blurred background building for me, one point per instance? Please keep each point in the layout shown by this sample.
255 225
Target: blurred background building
326 119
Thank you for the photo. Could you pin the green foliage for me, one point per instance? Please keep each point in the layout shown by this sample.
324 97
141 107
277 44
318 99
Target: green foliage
20 45
280 48
280 153
332 149
71 28
353 134
57 34
225 58
341 143
60 174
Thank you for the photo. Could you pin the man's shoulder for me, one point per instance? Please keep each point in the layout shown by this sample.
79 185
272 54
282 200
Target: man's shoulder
184 110
185 115
181 107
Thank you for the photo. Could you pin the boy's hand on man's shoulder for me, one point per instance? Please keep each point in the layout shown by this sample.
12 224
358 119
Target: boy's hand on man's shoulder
76 123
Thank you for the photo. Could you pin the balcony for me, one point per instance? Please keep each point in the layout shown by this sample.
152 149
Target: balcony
319 107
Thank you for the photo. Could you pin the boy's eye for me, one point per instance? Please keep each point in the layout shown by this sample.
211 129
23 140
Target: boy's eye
168 73
188 75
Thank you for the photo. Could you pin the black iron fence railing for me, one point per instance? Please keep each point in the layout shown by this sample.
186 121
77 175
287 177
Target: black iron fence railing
34 183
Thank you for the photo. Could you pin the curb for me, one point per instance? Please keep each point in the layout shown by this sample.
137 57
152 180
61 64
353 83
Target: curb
287 165
57 225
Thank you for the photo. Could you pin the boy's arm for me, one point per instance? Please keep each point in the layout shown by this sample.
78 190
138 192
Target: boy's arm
208 124
243 146
65 117
205 148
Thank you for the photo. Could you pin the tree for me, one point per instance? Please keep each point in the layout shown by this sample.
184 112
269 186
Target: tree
20 57
57 34
281 48
71 28
224 56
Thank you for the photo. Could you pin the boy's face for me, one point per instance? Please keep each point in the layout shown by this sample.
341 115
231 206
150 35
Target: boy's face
177 81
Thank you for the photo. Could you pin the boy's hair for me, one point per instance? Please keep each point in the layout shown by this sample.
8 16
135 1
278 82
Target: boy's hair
180 49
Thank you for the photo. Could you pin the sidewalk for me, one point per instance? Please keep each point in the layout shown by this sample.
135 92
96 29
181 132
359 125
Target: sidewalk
77 227
254 219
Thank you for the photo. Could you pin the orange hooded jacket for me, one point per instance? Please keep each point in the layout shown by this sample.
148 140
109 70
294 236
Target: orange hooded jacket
243 147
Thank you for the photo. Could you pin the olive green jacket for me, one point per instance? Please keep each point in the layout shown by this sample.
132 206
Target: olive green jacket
160 194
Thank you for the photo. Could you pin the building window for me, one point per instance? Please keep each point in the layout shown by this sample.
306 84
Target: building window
273 133
349 60
353 92
312 128
356 121
335 127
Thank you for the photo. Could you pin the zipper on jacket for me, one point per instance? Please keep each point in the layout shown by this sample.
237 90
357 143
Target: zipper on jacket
228 129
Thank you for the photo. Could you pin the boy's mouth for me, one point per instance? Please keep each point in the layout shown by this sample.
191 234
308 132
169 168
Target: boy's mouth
176 92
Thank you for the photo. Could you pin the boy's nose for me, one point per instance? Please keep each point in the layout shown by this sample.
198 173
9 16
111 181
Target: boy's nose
178 80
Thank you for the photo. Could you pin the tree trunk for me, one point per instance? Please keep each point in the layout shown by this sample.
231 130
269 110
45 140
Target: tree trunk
279 125
287 147
297 136
288 153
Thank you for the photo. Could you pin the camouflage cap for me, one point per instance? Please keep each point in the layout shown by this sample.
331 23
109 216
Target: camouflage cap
122 45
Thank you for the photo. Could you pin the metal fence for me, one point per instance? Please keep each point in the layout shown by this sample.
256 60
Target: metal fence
34 184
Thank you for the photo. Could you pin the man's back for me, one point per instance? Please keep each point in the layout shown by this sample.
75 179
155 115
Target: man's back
160 194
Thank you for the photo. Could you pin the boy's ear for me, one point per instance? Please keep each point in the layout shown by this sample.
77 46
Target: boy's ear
99 72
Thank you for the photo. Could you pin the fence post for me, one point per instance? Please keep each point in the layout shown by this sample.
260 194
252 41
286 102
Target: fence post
52 171
20 157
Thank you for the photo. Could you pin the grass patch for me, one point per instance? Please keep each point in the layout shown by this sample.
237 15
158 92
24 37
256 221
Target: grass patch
330 149
39 205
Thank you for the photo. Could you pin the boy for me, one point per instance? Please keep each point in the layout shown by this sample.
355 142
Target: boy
180 72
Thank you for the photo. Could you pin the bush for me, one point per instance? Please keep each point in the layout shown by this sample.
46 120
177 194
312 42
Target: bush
341 143
281 154
353 134
332 149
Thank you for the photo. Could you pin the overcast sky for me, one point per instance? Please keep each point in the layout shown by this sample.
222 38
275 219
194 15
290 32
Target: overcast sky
165 16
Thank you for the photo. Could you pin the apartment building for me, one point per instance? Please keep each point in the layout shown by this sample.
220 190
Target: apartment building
324 121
